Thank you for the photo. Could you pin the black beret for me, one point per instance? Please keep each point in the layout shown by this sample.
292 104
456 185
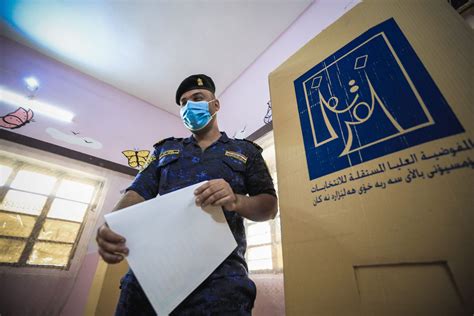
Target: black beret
200 81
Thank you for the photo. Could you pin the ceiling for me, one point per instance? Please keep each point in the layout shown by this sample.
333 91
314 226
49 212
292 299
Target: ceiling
146 48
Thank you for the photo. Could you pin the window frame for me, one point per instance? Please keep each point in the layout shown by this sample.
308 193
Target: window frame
60 173
275 247
266 141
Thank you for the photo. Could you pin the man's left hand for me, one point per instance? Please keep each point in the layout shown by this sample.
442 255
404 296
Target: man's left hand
218 193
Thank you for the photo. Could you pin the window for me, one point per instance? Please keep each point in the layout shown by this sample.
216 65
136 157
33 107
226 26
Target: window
264 252
43 209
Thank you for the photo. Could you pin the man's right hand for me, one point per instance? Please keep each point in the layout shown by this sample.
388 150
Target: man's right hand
111 245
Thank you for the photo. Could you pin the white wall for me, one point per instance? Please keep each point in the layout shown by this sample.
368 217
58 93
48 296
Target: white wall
244 102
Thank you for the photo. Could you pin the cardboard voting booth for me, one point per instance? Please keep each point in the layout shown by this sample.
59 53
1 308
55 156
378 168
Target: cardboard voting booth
373 125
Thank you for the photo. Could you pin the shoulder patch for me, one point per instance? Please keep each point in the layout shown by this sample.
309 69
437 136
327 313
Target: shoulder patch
168 152
166 139
236 155
256 145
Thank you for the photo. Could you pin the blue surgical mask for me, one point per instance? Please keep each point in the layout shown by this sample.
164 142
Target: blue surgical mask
196 115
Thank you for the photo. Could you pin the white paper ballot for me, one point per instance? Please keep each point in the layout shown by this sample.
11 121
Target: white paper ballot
174 245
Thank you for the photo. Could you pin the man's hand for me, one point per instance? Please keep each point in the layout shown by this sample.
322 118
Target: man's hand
260 207
111 245
218 193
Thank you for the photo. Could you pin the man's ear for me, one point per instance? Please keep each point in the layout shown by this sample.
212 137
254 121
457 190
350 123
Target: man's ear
217 105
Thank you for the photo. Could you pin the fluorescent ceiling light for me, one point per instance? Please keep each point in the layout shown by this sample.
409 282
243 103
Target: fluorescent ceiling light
37 106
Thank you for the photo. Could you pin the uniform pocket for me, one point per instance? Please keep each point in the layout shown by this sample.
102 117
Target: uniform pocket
234 173
234 164
166 160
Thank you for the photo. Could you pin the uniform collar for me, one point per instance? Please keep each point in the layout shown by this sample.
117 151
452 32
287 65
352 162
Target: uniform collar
222 139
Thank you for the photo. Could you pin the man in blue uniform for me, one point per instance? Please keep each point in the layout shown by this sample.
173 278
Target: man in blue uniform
237 179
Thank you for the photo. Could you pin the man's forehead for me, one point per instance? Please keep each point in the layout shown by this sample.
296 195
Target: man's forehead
190 93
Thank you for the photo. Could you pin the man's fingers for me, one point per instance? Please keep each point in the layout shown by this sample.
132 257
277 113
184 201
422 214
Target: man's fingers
204 196
213 191
109 257
109 235
112 247
202 188
214 197
208 184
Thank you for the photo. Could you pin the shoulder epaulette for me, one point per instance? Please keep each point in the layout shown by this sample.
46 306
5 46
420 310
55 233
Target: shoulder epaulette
256 145
166 139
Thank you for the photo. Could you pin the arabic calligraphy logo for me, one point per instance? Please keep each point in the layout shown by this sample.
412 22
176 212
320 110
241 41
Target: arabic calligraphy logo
364 102
356 112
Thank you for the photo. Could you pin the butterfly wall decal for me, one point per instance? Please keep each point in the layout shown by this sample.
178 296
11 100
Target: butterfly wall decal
16 119
136 158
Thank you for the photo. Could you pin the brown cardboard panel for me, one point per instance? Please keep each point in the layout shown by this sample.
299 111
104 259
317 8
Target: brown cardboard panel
408 288
321 260
392 212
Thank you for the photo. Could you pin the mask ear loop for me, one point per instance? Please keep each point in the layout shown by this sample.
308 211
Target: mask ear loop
212 116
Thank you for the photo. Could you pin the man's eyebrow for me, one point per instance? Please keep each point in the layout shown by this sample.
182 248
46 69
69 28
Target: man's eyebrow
196 94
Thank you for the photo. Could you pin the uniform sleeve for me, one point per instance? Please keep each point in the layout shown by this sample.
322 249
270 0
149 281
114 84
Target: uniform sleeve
258 179
147 181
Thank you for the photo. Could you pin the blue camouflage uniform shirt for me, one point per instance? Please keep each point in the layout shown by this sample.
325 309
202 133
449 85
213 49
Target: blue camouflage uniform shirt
177 163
